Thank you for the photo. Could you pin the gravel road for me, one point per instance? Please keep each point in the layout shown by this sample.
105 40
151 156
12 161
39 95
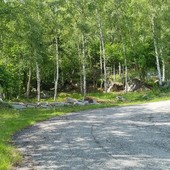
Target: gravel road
119 138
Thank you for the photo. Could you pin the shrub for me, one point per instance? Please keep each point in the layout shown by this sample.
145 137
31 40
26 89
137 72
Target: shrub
5 105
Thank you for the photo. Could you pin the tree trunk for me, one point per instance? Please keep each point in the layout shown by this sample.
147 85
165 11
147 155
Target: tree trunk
163 70
156 51
80 58
38 81
57 71
114 72
28 83
125 67
163 65
101 67
120 70
84 67
19 79
103 52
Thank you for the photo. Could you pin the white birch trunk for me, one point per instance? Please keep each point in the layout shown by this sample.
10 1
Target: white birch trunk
120 72
125 67
101 67
79 56
114 72
103 52
163 65
163 70
28 83
156 51
84 67
19 79
38 81
57 71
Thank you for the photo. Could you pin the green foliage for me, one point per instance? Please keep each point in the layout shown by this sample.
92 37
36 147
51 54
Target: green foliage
4 105
28 32
4 76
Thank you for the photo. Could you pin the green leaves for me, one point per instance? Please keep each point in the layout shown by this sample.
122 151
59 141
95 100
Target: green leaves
28 29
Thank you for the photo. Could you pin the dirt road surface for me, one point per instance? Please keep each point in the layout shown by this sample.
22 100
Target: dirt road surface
119 138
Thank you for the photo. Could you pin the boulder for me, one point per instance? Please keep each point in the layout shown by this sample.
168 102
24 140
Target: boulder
45 94
70 100
134 84
68 104
31 106
19 106
89 99
117 87
77 103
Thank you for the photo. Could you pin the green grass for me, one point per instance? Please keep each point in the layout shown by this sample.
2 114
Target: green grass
12 120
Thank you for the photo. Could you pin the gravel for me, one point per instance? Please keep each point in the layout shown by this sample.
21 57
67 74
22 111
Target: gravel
119 138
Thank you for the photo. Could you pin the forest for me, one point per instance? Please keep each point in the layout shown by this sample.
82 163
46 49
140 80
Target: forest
81 45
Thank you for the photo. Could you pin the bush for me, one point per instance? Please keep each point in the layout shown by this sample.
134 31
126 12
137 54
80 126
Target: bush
5 105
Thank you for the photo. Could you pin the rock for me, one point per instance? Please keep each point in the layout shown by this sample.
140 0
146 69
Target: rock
166 84
44 106
136 84
31 106
68 104
19 106
53 103
60 104
71 100
45 94
120 98
79 103
86 102
95 102
89 100
117 87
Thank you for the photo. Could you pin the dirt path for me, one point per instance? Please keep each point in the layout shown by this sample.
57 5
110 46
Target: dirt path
119 138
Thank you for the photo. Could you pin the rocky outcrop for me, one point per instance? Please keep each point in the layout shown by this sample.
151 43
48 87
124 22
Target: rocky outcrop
50 105
136 84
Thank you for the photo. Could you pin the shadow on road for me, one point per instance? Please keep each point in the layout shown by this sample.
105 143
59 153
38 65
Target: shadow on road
131 137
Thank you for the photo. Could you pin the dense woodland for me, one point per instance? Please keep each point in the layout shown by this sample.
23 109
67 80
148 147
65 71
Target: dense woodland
81 45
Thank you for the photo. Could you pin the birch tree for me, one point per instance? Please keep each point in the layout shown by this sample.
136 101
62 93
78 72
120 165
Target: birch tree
57 70
102 50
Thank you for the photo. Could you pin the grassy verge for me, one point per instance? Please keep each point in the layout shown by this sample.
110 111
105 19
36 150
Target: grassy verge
12 120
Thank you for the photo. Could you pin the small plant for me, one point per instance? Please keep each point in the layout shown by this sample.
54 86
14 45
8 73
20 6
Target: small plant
4 105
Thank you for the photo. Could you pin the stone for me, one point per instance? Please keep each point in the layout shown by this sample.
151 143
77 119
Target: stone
44 106
120 98
77 103
45 94
70 100
31 106
95 102
19 106
135 84
89 99
68 104
59 104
